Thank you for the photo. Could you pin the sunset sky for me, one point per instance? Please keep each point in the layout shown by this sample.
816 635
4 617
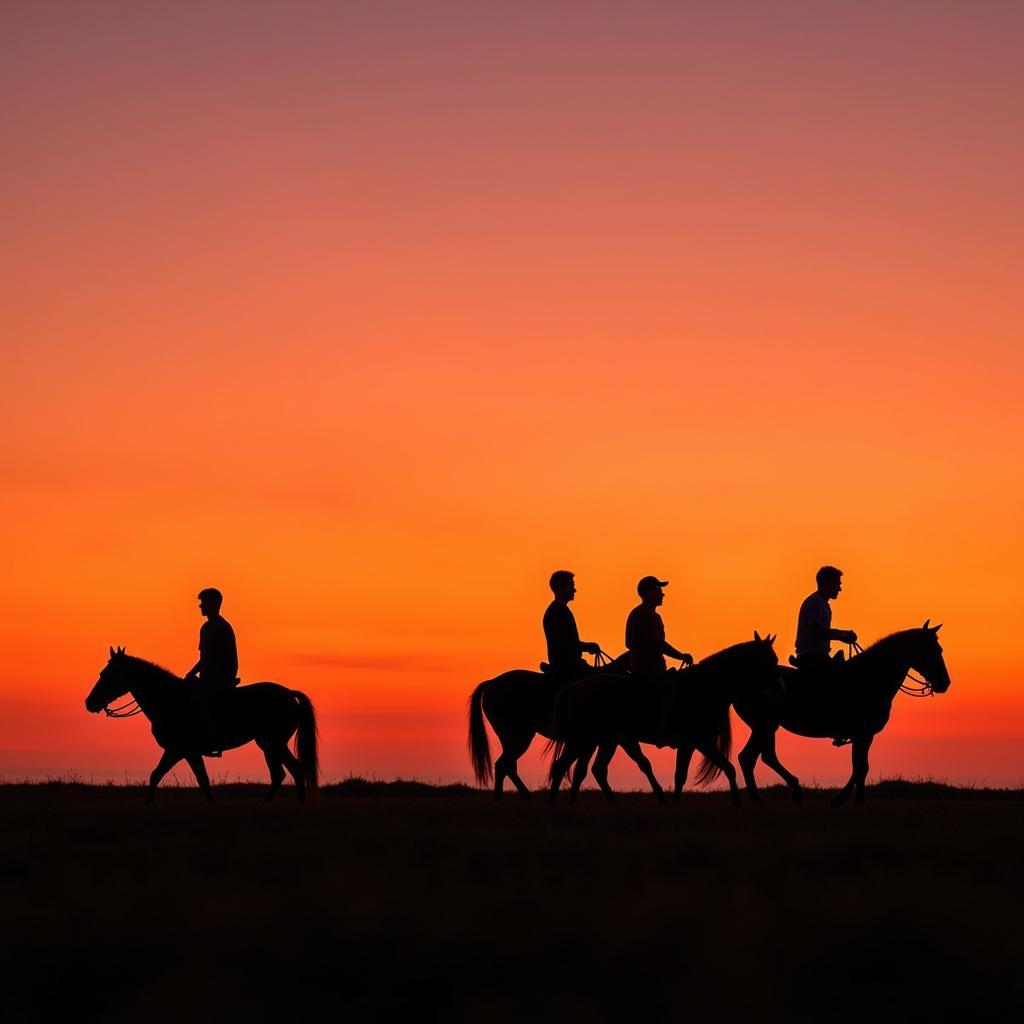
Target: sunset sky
373 314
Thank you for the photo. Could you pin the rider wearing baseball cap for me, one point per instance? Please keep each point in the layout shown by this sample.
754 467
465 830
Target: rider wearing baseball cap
645 631
645 639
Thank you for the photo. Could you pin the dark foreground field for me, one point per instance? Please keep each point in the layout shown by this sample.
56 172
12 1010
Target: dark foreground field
392 901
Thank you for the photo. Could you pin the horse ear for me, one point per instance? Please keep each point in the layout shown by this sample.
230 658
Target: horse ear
935 629
111 651
771 639
757 636
926 621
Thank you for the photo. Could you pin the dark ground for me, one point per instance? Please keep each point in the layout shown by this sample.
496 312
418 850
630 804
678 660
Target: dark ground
401 900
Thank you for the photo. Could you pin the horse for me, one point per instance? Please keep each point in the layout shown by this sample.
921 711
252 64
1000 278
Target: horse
612 711
267 713
856 703
518 704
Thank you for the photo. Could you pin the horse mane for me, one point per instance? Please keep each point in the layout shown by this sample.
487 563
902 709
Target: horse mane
891 640
152 669
714 661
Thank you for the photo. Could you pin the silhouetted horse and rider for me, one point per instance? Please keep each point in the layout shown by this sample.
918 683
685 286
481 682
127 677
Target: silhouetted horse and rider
208 711
519 704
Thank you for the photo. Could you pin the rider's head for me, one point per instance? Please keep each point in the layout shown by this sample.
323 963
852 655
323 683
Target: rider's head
830 581
649 589
210 601
563 585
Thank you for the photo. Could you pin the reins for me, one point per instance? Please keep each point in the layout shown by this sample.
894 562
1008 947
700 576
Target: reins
923 689
125 710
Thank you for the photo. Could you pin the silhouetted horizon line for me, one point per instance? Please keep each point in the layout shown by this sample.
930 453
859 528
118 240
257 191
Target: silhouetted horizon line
356 785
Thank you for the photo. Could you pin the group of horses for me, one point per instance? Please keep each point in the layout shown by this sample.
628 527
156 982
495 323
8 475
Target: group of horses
597 714
609 709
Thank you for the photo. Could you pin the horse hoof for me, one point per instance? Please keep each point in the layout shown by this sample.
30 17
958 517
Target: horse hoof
526 795
798 795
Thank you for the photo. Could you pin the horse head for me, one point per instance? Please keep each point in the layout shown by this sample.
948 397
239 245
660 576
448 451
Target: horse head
765 650
928 660
113 682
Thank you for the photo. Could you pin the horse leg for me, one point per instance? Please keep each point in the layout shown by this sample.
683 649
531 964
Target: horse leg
291 762
600 769
580 772
273 759
747 758
844 794
512 748
683 755
164 765
558 769
724 765
860 766
198 766
634 750
771 758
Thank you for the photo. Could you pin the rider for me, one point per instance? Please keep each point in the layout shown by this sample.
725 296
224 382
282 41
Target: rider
814 632
563 638
645 639
217 667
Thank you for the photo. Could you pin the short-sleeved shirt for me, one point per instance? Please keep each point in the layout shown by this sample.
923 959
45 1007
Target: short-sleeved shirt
218 655
645 640
814 610
562 636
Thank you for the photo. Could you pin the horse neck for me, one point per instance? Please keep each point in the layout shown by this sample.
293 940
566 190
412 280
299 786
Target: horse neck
732 673
151 688
889 661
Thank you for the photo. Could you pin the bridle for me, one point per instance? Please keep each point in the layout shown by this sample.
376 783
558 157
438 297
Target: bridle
126 710
923 689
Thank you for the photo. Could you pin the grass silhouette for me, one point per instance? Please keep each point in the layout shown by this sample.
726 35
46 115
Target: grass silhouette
397 899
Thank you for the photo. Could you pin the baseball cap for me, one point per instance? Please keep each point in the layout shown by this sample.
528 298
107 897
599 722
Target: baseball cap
649 582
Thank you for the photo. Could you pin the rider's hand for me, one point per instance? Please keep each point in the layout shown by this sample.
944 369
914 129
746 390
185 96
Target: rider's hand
851 637
687 659
592 648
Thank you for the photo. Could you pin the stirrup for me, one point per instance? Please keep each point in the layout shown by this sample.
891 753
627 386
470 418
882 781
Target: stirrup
838 741
213 753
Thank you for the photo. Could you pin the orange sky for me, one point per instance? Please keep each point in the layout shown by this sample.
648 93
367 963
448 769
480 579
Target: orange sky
373 315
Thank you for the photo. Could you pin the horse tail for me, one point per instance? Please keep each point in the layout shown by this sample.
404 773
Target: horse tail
479 748
708 771
555 749
306 744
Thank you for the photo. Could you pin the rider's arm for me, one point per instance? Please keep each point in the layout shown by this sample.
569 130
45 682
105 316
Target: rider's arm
586 647
846 636
667 648
818 630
